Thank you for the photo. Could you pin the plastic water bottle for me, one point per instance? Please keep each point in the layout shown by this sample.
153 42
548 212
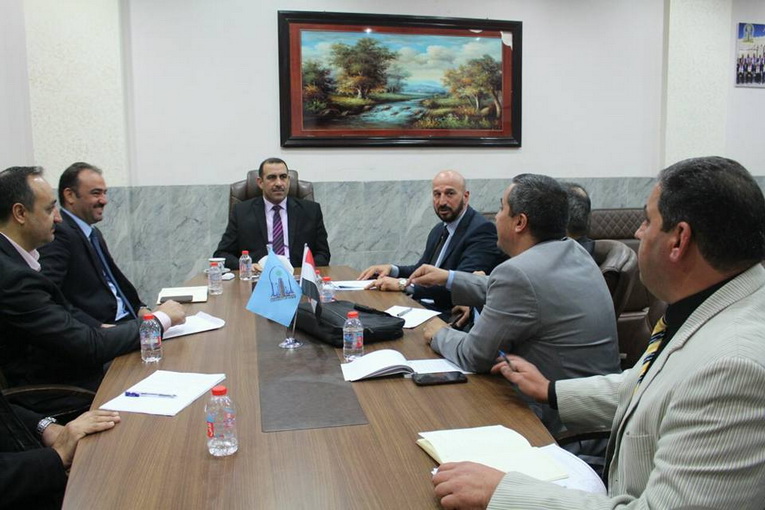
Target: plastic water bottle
245 266
214 279
353 337
221 423
327 290
151 339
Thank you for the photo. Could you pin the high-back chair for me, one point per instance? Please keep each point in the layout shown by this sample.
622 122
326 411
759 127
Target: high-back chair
248 188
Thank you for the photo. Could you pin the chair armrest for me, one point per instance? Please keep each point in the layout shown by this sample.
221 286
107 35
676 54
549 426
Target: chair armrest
568 437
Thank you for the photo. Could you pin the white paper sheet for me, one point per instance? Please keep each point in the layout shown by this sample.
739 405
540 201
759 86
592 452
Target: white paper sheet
413 317
351 284
186 386
198 294
194 324
580 476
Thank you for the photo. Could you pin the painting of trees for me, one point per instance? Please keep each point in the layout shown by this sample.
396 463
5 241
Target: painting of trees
477 79
363 67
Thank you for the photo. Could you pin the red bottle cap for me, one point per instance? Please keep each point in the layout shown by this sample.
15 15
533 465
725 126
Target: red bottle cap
353 314
148 317
326 279
219 391
245 252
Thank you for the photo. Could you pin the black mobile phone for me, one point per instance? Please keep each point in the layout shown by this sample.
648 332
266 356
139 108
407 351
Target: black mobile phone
179 299
439 378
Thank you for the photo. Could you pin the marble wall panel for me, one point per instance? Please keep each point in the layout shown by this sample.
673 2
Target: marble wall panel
162 236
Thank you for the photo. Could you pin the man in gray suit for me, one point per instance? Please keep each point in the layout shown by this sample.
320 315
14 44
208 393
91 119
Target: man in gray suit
687 420
548 302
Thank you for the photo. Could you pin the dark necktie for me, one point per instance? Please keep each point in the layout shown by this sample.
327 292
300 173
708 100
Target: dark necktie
278 230
108 272
657 336
439 246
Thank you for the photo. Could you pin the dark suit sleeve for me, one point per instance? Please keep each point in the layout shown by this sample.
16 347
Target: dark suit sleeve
31 479
320 249
55 256
49 325
229 245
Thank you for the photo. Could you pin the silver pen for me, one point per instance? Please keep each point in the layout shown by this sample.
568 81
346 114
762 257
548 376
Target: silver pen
403 312
149 394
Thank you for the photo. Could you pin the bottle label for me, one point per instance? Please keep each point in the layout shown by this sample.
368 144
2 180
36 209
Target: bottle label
358 341
210 426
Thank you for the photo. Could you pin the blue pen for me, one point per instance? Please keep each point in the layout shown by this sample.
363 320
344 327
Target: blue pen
148 394
509 363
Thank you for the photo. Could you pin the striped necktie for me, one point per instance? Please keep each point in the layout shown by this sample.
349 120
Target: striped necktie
278 231
653 346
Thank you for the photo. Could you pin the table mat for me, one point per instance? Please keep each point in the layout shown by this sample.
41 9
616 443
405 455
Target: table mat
302 388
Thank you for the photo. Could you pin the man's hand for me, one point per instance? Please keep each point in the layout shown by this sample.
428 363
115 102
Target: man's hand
427 276
174 310
64 439
380 270
525 375
432 327
462 315
385 283
466 485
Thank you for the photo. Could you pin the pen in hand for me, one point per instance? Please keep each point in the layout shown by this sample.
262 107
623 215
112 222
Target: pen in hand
149 394
509 363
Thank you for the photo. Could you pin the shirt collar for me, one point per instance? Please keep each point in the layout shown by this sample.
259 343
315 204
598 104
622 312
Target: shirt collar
270 205
86 229
678 312
30 257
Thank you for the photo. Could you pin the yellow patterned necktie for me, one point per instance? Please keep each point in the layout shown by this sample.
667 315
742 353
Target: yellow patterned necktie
653 345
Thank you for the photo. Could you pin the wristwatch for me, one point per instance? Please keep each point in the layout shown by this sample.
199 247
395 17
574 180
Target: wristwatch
401 284
44 424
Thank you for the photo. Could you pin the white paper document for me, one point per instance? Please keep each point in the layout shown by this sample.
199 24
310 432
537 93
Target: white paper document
580 475
185 388
389 362
413 317
198 294
194 324
351 284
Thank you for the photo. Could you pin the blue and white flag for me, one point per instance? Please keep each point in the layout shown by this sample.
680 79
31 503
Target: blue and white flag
277 294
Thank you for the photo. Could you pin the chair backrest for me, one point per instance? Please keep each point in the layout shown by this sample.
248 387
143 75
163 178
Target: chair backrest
619 266
248 188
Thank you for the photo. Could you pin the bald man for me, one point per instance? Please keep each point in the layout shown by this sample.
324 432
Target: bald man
463 240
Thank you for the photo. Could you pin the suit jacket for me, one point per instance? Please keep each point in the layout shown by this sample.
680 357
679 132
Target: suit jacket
692 434
550 305
473 247
41 339
71 263
30 476
247 230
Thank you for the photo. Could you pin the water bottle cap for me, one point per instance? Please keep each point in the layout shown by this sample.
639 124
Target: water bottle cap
326 279
213 263
148 317
245 252
219 391
353 314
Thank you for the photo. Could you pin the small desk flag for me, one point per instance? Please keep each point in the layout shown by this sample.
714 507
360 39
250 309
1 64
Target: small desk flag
308 278
277 294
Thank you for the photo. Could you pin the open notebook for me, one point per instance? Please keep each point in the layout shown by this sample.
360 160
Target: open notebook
495 446
389 362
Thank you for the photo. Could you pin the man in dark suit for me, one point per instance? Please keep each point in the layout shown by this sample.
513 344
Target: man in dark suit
43 339
78 260
287 223
463 240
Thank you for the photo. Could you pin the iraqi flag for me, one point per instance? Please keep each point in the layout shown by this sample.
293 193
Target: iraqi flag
308 278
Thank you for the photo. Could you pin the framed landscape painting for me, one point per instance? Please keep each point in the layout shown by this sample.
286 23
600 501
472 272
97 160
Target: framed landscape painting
379 80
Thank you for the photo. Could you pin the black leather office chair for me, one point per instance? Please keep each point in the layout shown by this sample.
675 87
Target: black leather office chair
21 394
248 188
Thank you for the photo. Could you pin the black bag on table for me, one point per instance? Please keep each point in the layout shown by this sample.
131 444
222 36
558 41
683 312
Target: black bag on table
327 324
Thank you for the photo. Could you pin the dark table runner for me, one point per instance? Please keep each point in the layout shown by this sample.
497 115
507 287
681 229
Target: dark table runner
302 388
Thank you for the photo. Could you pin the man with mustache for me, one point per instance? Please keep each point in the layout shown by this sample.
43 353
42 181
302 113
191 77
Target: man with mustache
463 241
285 223
78 260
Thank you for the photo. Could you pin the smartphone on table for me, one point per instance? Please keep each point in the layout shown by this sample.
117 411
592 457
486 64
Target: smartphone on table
439 378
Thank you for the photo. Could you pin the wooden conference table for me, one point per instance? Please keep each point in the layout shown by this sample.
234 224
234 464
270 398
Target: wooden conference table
162 462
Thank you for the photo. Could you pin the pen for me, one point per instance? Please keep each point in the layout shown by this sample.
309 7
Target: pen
509 363
148 394
403 312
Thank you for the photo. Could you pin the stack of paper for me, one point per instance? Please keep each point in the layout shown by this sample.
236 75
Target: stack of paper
194 324
167 393
495 446
389 362
184 294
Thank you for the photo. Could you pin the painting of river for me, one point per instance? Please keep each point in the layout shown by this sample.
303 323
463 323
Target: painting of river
363 79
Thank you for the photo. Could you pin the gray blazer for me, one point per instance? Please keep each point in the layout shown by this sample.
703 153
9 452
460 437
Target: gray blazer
550 304
693 433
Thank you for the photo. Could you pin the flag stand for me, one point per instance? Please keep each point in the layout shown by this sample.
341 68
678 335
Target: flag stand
291 342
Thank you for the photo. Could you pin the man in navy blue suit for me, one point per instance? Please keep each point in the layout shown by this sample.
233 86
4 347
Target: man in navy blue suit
463 241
